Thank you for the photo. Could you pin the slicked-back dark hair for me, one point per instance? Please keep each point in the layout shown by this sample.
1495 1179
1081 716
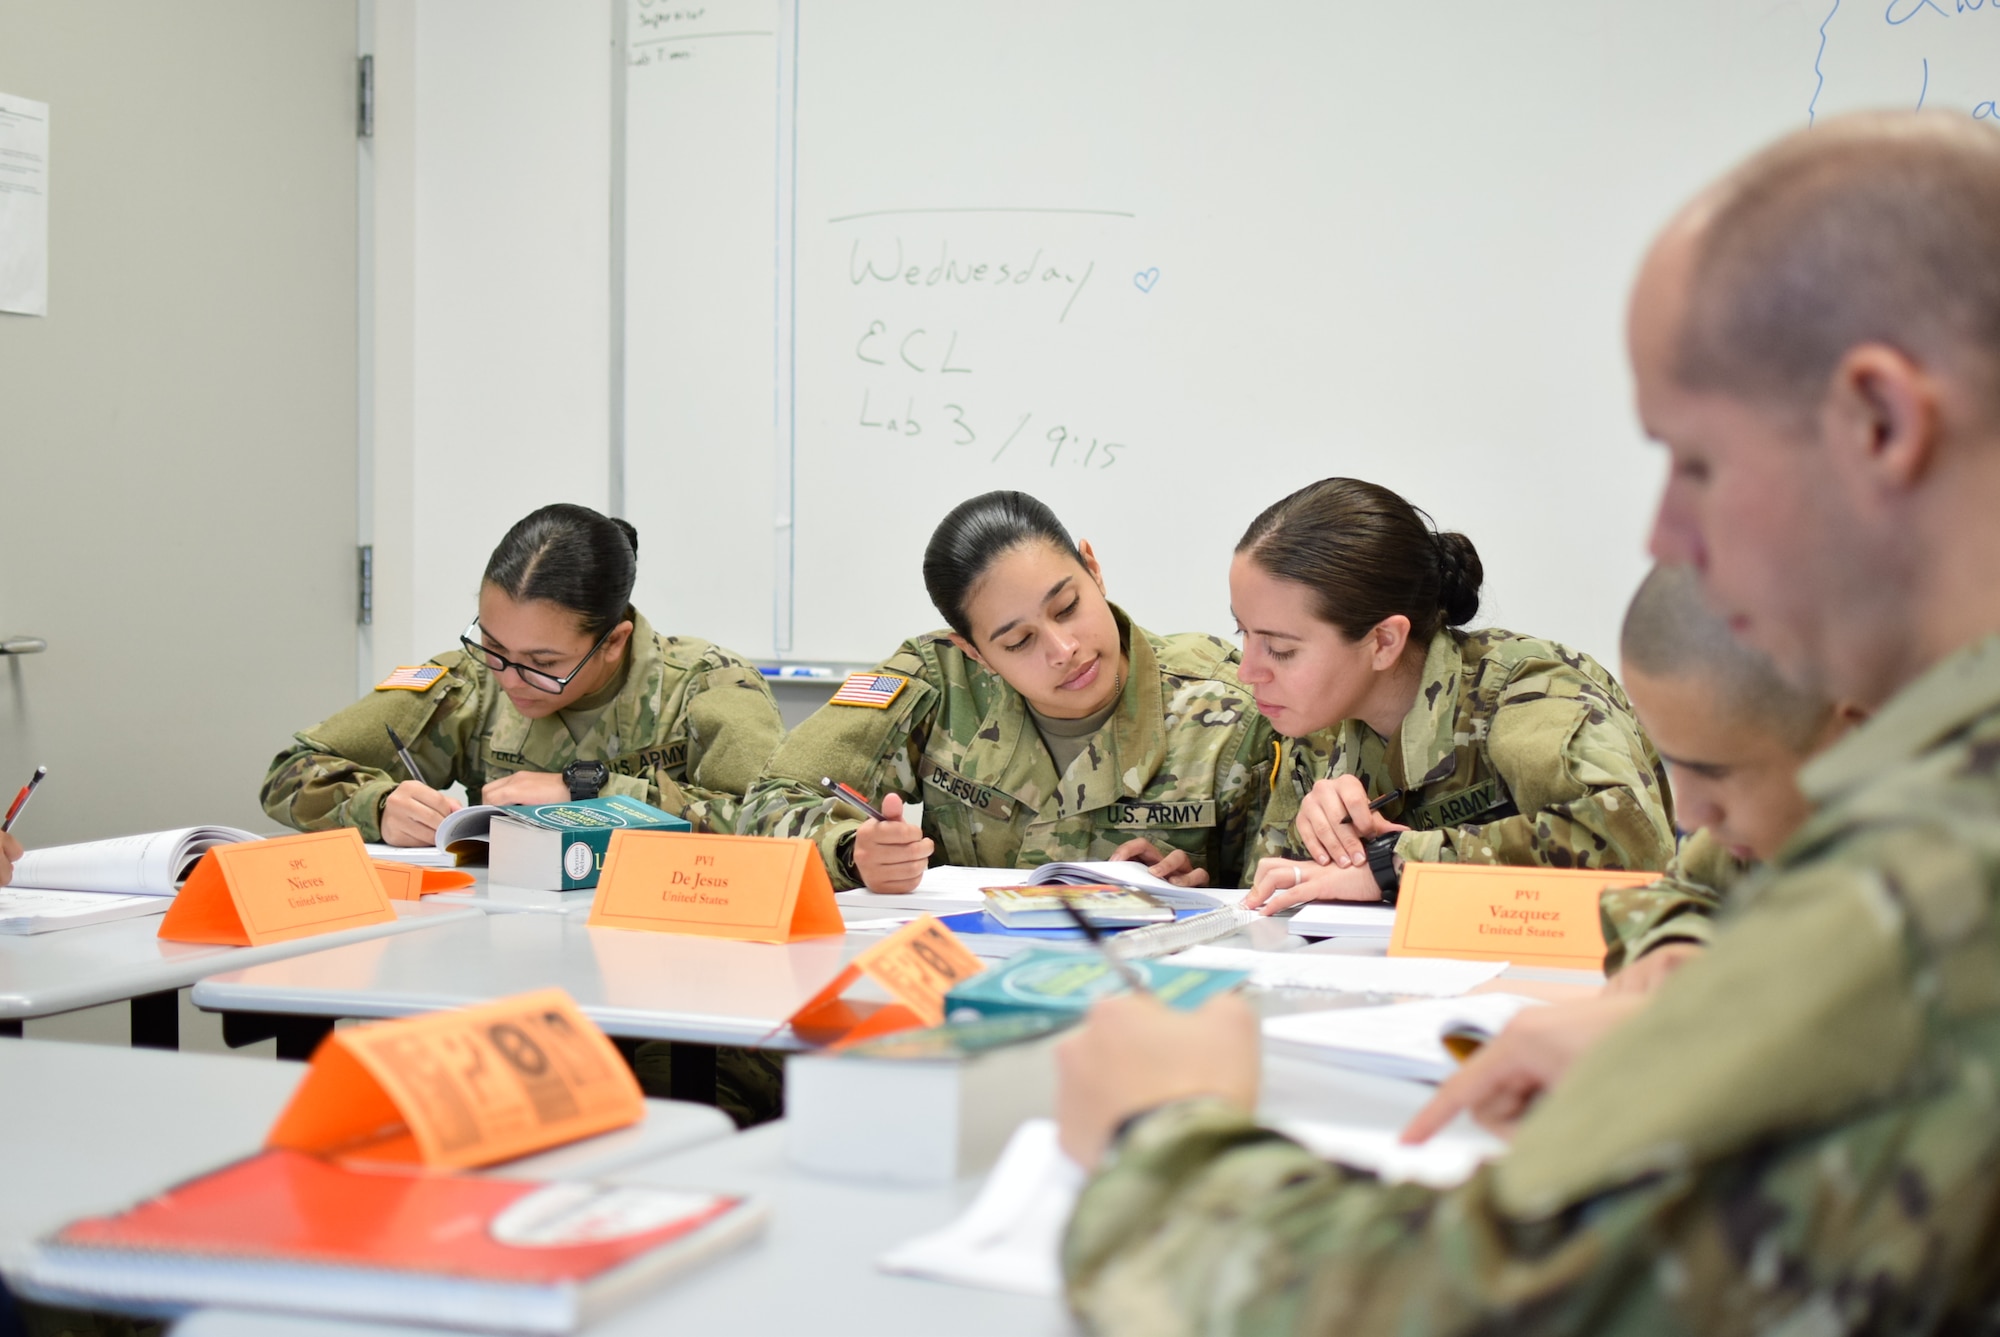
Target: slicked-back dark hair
1367 554
572 556
975 533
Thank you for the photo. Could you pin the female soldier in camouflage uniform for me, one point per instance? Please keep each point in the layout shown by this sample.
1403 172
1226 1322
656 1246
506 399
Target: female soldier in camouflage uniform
1494 747
1044 725
561 690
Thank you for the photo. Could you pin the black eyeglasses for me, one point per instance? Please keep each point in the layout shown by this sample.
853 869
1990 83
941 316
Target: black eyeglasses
536 678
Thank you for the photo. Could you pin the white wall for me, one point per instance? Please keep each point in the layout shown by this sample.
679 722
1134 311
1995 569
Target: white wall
492 282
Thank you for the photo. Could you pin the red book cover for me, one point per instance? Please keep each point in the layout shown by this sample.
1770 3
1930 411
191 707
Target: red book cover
289 1207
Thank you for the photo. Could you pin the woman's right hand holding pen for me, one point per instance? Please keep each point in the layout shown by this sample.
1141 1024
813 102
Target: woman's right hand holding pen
10 850
411 814
890 854
1337 820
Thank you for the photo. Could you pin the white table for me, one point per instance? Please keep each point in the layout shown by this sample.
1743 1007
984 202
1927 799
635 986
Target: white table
654 986
93 1128
499 899
812 1271
814 1268
45 973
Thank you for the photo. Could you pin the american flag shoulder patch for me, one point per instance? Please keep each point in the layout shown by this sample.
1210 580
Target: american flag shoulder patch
875 690
412 678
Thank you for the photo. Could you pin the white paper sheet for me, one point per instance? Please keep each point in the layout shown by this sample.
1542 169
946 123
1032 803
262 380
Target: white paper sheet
1009 1238
1416 976
24 206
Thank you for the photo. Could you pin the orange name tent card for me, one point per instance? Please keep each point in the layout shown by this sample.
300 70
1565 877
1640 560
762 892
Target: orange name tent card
917 964
453 1090
407 882
751 888
1492 912
275 890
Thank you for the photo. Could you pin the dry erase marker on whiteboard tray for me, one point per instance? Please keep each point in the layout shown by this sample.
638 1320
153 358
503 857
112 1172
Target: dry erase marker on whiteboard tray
21 799
850 795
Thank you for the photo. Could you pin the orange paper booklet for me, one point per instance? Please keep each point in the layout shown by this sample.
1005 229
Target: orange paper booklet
917 965
1497 912
472 1086
287 1231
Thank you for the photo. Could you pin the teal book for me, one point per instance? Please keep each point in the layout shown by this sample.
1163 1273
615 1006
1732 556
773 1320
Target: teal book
1046 980
560 846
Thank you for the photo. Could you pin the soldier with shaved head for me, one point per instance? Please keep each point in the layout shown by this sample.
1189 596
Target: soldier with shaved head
1800 1133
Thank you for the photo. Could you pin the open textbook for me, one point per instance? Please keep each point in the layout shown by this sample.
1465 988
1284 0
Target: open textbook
1400 1040
68 886
461 836
950 887
150 865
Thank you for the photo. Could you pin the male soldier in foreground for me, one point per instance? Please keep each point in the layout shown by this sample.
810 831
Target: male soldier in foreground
1802 1132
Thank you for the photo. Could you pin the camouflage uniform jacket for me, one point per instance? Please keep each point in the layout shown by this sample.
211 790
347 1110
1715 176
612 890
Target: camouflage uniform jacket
1799 1134
1517 751
693 724
1680 907
1182 762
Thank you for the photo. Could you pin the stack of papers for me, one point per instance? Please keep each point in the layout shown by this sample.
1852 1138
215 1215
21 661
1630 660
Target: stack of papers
1446 1161
1401 1040
422 856
1416 976
24 910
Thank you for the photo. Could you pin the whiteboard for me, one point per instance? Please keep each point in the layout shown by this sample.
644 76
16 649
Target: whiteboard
1162 263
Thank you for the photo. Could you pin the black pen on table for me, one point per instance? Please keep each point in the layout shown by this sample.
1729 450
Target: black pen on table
850 795
404 754
1132 978
21 799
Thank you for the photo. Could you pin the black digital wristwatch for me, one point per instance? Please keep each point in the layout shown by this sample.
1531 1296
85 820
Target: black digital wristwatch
585 778
1382 863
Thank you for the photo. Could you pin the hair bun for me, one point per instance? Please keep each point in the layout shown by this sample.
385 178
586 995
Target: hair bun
625 528
1460 574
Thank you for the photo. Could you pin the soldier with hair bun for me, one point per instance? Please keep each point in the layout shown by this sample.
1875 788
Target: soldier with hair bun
560 689
1493 747
1044 724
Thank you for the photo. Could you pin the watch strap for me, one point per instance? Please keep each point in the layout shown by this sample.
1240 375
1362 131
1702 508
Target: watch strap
1382 863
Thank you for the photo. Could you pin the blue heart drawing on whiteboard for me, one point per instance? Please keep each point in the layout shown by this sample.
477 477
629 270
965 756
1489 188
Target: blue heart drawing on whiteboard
1145 279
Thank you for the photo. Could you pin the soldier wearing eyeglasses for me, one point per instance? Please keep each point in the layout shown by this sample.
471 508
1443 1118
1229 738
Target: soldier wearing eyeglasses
560 690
